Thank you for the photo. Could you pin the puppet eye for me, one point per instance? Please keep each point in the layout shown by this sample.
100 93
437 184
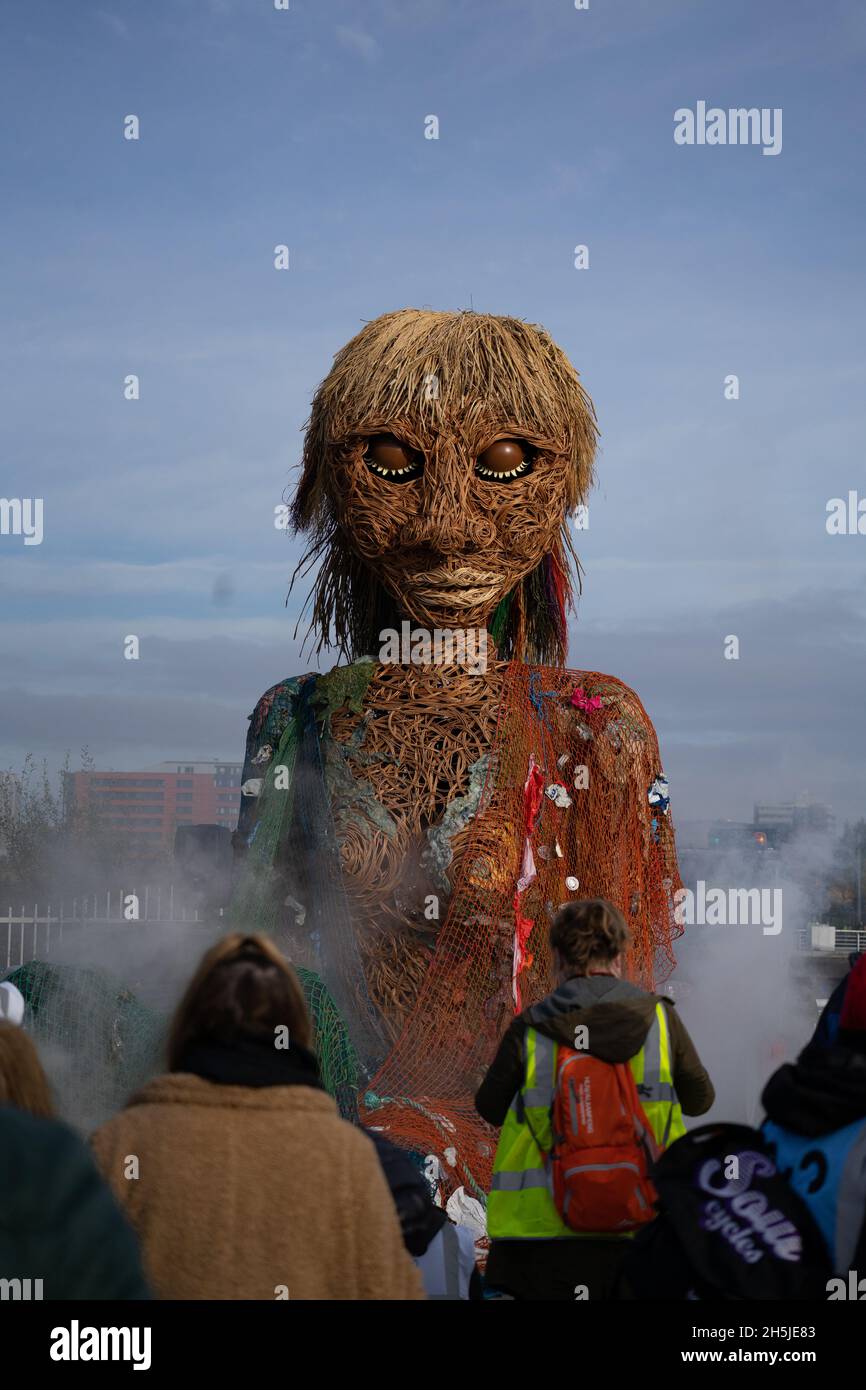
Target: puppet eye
388 458
505 460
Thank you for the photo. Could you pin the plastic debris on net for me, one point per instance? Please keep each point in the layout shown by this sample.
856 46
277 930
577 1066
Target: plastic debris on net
581 700
527 867
467 1211
558 795
298 908
659 794
522 959
12 1006
532 799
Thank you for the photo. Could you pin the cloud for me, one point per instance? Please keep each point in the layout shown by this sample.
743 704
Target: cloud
777 722
357 41
185 580
113 21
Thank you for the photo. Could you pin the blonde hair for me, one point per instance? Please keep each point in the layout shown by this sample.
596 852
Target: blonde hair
23 1082
243 988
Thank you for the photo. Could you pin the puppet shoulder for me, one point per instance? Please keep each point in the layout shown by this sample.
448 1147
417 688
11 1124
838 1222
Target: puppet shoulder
598 699
611 734
274 709
344 686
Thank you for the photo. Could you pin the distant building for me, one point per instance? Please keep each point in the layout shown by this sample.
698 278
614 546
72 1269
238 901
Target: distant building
147 807
772 825
227 787
729 834
786 818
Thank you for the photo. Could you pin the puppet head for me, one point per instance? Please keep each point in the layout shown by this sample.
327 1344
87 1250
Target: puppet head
442 458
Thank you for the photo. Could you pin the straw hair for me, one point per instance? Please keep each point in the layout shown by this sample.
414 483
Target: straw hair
593 931
445 381
23 1082
243 988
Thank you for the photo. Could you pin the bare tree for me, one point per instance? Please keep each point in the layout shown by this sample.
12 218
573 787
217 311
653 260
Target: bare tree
48 837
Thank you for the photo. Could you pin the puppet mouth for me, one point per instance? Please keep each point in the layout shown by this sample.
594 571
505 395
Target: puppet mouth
464 583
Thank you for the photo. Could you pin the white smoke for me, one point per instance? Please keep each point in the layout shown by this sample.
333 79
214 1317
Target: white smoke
749 998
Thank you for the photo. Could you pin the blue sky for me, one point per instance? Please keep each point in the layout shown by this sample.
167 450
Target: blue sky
306 127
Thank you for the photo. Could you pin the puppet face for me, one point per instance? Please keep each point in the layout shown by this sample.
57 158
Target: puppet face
443 454
450 519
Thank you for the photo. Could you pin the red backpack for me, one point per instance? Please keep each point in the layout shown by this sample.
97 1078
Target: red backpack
602 1146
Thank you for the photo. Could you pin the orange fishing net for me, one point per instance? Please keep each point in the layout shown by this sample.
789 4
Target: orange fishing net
384 809
574 805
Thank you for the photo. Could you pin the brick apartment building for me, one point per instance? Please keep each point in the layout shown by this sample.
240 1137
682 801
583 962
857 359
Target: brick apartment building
147 807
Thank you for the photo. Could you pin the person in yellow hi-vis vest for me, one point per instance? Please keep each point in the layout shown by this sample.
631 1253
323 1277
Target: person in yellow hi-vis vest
534 1253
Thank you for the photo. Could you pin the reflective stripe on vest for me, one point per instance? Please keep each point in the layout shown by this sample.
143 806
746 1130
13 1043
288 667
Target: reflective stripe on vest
520 1205
540 1071
519 1181
653 1074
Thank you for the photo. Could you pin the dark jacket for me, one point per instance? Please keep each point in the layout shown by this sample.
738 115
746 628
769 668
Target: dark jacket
58 1220
420 1218
824 1090
618 1016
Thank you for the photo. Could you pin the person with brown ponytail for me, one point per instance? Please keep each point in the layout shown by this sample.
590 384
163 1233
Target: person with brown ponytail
235 1167
536 1251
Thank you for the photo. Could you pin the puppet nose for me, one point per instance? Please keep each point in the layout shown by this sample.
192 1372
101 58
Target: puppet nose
450 521
448 531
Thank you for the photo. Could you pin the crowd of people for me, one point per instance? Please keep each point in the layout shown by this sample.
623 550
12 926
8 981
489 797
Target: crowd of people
233 1176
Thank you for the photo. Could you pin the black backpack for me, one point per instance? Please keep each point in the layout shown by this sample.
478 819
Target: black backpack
725 1230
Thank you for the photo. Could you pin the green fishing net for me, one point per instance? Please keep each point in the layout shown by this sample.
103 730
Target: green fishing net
290 881
99 1043
338 1061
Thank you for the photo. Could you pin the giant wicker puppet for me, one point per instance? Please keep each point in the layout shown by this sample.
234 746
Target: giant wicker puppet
411 820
